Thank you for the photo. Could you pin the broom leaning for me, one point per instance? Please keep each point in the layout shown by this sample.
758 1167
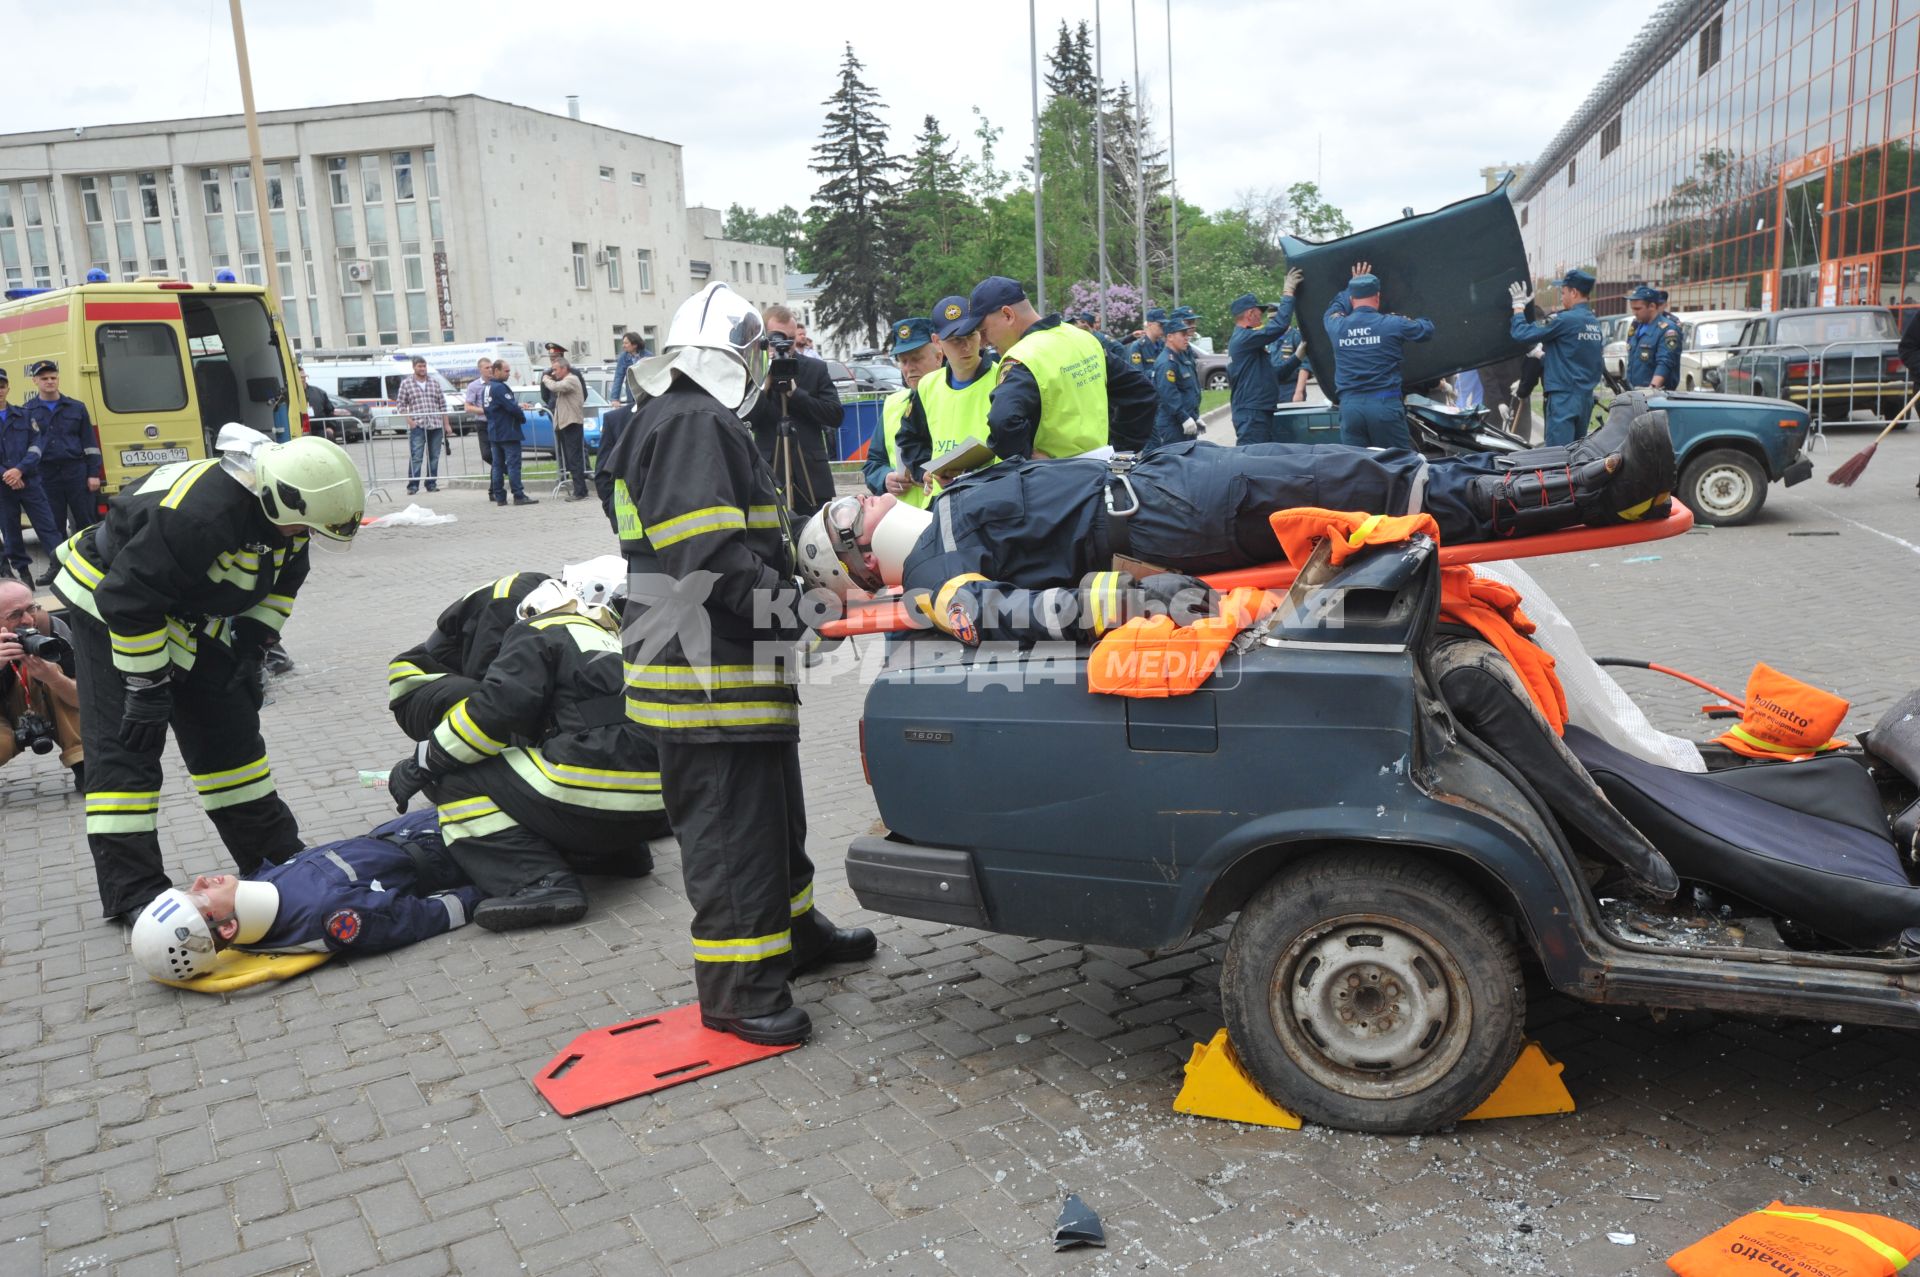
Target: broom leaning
1850 470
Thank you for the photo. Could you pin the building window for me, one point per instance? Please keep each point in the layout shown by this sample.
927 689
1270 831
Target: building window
242 188
402 176
613 267
580 265
210 190
1524 210
370 179
650 337
606 172
341 193
1573 167
643 269
1610 138
639 179
1709 45
89 201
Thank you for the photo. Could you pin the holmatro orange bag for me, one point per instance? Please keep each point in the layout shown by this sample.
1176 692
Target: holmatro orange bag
1801 1241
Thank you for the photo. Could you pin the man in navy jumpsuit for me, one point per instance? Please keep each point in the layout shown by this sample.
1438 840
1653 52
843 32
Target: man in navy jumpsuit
1366 363
1144 351
1255 391
1653 348
71 472
1284 355
1572 342
380 891
22 450
1177 389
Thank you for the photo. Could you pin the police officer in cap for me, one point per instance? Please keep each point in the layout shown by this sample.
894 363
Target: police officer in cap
1653 349
1366 363
1059 394
1255 390
1572 342
1146 348
71 471
1176 387
22 454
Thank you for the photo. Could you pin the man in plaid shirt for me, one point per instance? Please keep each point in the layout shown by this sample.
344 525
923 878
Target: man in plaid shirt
425 406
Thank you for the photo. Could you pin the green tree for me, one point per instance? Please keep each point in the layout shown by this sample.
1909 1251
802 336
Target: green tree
782 229
1310 217
936 215
855 236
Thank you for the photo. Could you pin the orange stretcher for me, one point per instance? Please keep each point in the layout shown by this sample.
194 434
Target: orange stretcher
888 614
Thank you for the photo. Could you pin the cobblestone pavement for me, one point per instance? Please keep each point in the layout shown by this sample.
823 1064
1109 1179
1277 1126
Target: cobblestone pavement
377 1115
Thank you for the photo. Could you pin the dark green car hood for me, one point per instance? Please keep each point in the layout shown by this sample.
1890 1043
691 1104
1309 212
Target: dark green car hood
1452 266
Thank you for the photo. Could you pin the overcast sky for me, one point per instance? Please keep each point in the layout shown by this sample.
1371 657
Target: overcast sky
1387 105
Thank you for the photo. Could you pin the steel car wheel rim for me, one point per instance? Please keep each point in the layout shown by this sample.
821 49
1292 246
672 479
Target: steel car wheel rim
1724 489
1371 1008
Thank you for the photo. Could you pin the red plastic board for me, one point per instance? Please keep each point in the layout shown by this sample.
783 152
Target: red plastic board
639 1057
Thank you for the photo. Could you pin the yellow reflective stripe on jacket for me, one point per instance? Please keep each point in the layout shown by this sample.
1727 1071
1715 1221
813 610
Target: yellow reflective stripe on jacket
504 586
123 811
1889 1253
801 902
75 562
213 782
764 516
660 678
460 736
671 715
600 789
268 615
124 800
137 644
937 610
684 527
472 818
178 492
1103 601
749 949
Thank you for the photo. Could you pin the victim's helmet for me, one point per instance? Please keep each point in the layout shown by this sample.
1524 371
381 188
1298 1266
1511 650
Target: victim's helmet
859 543
593 589
310 481
171 938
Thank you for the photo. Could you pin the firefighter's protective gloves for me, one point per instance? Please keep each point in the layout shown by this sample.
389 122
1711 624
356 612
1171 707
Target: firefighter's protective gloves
409 776
149 704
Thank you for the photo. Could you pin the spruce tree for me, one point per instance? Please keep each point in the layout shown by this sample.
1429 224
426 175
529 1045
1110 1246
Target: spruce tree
853 217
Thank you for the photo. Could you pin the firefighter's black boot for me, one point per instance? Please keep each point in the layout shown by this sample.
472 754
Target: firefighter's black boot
780 1028
817 942
553 899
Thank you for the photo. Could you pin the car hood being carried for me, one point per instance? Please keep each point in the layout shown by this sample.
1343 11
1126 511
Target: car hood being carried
1452 266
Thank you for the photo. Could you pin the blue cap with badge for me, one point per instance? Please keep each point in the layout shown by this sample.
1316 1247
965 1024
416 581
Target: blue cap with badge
990 294
1156 316
39 366
1242 304
950 318
911 334
1364 286
1176 325
1577 279
1646 293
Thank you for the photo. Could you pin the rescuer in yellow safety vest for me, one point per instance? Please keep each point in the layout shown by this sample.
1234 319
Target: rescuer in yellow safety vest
917 354
951 404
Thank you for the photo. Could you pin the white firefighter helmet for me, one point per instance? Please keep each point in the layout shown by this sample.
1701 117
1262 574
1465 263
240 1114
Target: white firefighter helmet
171 938
859 543
599 583
717 318
548 596
310 481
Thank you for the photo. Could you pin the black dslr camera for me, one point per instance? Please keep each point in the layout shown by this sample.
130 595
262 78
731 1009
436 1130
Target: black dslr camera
784 365
33 732
48 647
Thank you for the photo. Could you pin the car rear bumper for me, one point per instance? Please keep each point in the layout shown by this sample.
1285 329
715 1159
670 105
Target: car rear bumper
1799 471
935 883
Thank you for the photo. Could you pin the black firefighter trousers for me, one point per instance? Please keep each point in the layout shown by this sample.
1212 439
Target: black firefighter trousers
218 731
741 817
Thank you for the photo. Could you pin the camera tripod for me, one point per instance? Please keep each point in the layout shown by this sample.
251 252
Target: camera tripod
789 463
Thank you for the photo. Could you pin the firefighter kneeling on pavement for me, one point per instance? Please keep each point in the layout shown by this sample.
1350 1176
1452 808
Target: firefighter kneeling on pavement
714 598
430 678
580 795
173 599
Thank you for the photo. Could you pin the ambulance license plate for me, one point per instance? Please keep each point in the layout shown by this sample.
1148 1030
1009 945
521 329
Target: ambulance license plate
151 456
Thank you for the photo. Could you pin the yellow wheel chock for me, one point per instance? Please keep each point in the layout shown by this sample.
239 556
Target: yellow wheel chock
1218 1087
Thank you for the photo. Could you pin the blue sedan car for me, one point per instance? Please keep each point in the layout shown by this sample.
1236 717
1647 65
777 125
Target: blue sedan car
539 427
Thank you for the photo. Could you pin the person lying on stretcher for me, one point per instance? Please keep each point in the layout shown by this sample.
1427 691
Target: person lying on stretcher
1025 551
380 891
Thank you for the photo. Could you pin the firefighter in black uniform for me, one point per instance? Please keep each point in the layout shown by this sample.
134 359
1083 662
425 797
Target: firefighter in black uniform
580 794
427 680
1025 551
712 572
173 599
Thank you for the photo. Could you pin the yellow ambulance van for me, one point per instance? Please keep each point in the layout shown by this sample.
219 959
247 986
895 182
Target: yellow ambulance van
161 365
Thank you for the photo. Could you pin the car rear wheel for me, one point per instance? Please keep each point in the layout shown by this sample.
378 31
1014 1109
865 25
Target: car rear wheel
1216 381
1372 991
1724 487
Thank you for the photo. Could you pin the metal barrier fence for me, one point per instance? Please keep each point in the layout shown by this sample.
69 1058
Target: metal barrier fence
382 450
1857 382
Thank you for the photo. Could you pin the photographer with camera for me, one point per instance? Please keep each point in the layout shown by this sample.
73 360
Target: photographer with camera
792 420
39 700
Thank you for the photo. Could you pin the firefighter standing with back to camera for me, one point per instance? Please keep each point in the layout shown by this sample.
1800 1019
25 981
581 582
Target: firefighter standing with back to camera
173 599
711 574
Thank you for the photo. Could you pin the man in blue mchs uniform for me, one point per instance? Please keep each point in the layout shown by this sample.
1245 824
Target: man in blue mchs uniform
1366 363
1253 388
1653 347
1177 388
370 894
70 468
1573 342
1288 364
1091 322
1145 349
22 451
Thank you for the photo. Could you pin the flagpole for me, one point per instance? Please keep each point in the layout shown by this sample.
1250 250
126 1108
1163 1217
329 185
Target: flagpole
270 260
1139 157
1100 155
1173 183
1039 226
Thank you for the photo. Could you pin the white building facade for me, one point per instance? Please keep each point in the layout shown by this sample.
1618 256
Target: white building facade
428 220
